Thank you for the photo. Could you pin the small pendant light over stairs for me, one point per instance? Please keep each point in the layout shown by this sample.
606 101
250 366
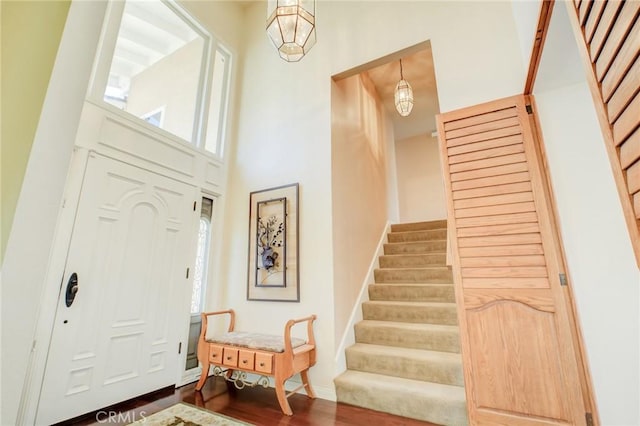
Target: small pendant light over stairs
403 95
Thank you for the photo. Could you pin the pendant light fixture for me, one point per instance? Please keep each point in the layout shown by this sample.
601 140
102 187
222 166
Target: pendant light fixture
291 26
403 95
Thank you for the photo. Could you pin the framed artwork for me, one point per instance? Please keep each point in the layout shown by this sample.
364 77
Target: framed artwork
273 245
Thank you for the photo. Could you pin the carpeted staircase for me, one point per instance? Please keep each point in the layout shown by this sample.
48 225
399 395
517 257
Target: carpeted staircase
406 359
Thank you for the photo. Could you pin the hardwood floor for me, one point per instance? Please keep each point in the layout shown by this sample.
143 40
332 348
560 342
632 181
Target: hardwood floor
258 406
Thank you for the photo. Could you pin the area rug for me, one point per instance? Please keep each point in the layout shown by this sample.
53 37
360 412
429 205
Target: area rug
187 415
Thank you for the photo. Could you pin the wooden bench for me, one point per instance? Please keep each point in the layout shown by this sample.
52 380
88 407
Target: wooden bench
263 354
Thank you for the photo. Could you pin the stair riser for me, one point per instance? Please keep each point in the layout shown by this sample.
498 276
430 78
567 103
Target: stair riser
413 261
414 275
431 409
445 341
403 313
419 226
416 248
404 237
448 373
413 292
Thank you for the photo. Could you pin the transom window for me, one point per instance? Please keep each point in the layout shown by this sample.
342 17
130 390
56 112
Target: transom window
160 65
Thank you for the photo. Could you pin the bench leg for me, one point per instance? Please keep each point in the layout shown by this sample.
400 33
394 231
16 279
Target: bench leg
307 384
282 398
203 376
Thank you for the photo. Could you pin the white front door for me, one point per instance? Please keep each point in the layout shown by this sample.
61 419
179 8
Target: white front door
130 249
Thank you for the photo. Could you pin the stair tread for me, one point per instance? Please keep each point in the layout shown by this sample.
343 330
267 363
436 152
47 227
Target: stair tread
400 352
416 242
413 231
407 386
412 304
410 325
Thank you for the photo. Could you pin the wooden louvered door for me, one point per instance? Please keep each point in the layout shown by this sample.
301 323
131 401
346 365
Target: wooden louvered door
520 364
609 40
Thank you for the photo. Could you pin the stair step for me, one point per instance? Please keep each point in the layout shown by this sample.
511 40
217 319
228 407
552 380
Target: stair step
435 337
412 260
437 246
409 236
434 274
419 226
417 312
432 402
412 292
415 364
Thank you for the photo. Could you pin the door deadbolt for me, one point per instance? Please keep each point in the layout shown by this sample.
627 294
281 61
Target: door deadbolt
72 289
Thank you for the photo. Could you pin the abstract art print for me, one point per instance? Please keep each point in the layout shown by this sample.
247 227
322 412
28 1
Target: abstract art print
273 244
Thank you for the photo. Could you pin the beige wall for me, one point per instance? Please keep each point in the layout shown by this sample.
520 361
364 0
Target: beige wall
172 84
600 260
284 134
358 166
420 185
31 32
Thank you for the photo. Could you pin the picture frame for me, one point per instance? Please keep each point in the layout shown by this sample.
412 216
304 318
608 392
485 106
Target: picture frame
273 273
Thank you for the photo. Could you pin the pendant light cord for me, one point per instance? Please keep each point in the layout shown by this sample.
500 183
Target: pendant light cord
401 77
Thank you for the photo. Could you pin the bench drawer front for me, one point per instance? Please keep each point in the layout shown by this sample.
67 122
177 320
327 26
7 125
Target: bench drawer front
245 359
215 354
230 357
264 362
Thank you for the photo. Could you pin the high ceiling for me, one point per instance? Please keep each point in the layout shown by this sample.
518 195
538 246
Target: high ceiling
417 69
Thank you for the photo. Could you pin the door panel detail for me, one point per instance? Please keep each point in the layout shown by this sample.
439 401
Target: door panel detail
519 362
130 243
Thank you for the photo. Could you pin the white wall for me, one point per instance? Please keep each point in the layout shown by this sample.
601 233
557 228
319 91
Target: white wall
284 130
525 15
601 264
359 161
27 258
420 185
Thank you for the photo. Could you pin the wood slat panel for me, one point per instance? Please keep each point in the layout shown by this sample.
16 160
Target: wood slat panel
502 229
540 282
505 219
496 210
482 118
594 17
539 299
585 8
490 171
633 178
488 162
486 153
623 61
577 3
506 272
494 200
505 250
492 261
625 92
630 150
636 205
483 127
479 146
605 24
628 121
492 190
490 181
499 240
616 37
494 134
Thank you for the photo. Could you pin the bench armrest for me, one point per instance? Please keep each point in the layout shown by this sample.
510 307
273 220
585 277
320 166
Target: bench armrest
287 332
205 320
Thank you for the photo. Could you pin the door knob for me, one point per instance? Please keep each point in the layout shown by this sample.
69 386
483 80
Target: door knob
72 289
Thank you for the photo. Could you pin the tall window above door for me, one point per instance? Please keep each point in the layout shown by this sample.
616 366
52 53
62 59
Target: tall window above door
155 57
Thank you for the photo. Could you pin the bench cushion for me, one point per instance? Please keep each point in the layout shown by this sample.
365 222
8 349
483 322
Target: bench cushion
264 342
